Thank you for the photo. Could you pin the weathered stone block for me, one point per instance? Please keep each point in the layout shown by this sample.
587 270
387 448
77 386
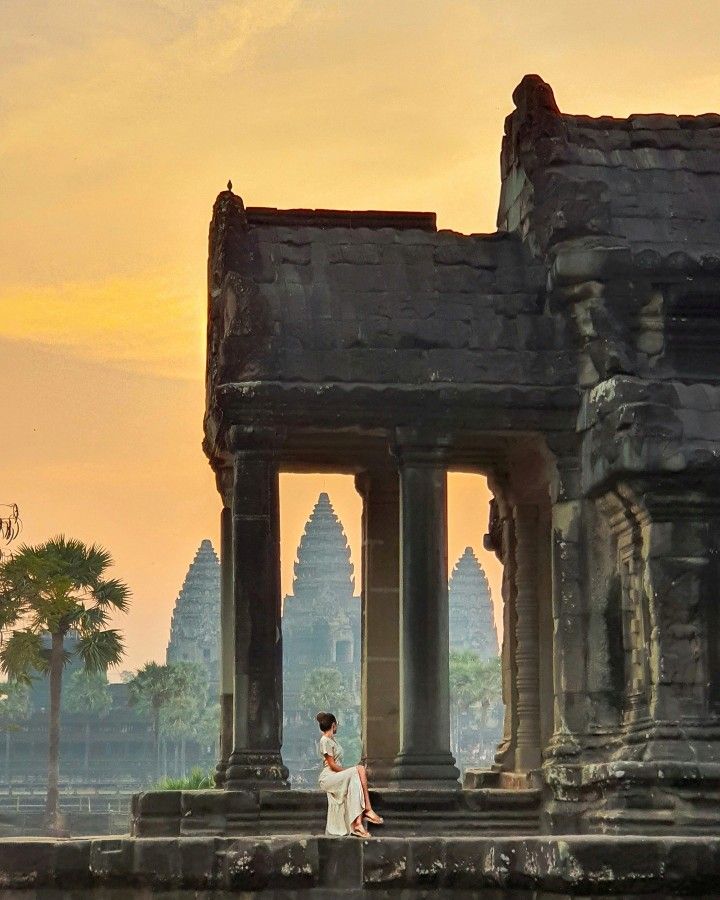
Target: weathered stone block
385 863
340 863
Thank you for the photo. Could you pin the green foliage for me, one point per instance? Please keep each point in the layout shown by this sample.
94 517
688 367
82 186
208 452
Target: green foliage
15 706
325 691
189 715
474 680
195 780
156 687
57 587
88 692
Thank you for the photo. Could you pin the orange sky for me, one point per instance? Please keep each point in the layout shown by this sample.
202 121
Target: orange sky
120 122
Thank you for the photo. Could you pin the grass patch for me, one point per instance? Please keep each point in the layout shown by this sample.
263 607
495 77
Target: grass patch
196 780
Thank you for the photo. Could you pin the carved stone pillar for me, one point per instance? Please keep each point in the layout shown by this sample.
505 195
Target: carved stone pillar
227 637
501 539
256 760
425 759
528 749
380 621
680 577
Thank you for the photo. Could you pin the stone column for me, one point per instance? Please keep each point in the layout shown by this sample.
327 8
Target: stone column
256 760
425 760
227 644
380 621
501 539
528 750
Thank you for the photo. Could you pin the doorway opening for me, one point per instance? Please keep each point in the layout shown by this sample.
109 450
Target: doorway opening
320 524
475 624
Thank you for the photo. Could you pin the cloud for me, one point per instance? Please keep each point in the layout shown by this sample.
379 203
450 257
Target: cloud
150 323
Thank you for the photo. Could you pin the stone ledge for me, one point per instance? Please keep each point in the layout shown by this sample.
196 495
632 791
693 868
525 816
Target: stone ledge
571 865
219 813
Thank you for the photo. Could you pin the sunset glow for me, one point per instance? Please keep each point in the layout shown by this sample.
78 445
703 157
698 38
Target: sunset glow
120 124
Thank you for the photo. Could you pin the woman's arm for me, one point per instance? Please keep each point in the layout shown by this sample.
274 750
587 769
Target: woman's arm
330 761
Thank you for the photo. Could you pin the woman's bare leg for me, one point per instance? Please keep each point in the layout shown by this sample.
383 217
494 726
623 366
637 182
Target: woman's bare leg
364 782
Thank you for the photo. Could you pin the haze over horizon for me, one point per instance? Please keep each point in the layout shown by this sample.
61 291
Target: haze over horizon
121 123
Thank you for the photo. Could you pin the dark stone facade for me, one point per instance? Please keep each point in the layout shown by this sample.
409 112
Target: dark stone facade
571 357
206 868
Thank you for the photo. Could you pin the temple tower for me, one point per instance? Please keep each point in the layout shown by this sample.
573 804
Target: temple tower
472 623
321 618
195 625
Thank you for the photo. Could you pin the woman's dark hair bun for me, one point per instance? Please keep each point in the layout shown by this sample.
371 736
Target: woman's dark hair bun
325 720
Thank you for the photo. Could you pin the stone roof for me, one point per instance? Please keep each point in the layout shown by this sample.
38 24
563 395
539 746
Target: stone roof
649 183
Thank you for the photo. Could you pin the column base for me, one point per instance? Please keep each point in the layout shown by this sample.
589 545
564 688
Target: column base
425 771
220 772
256 770
379 770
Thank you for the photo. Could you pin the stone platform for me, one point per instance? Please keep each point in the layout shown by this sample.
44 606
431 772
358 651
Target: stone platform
407 812
310 866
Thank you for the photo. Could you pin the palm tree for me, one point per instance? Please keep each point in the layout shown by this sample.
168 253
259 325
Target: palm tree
88 692
181 719
10 523
473 681
15 709
324 689
54 588
153 688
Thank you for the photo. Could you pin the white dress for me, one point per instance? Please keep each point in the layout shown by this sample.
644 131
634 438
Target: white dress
344 790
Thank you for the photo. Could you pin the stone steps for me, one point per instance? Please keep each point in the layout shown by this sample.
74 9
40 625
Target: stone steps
216 812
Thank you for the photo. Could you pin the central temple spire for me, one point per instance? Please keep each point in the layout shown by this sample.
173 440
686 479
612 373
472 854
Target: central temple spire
323 570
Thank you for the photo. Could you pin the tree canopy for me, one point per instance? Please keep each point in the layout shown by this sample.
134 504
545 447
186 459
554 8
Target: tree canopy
325 690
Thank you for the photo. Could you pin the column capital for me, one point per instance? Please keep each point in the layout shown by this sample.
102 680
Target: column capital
378 482
254 441
419 446
224 480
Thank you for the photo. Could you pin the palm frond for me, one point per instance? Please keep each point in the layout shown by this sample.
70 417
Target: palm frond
112 592
100 650
88 620
21 654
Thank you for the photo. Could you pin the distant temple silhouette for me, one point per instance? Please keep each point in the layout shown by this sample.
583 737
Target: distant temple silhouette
322 627
195 624
472 621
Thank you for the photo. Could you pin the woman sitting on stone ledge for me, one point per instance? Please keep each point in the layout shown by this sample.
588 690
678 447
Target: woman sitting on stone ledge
347 789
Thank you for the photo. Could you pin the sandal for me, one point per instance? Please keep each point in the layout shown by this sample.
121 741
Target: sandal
373 817
360 832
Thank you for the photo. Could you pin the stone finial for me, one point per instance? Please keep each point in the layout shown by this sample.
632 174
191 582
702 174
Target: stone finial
534 96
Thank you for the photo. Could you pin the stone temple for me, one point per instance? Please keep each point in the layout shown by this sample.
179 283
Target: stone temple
195 623
321 630
571 356
470 610
321 618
